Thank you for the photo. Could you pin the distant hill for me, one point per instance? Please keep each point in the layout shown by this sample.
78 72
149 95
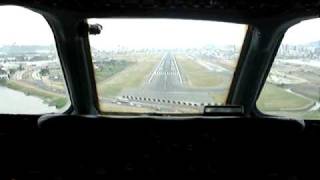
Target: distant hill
315 44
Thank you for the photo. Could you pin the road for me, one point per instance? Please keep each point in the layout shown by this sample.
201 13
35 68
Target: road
31 75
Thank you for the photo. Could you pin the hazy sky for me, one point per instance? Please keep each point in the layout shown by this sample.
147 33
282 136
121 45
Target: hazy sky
304 32
165 33
22 26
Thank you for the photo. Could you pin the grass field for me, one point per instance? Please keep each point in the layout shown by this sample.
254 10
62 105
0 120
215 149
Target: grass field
54 84
137 57
132 109
274 98
197 75
219 97
123 109
310 115
131 77
111 68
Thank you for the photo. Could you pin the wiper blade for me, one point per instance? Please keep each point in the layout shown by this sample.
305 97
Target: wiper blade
232 110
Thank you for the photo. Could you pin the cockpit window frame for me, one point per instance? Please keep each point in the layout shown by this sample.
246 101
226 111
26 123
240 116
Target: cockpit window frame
82 91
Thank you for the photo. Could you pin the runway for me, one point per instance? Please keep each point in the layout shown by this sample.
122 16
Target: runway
165 88
166 77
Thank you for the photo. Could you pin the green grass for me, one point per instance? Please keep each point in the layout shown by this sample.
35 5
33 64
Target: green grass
274 98
110 68
315 115
53 99
131 77
308 115
124 109
58 102
199 76
219 97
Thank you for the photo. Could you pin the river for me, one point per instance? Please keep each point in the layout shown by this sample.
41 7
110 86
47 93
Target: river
15 102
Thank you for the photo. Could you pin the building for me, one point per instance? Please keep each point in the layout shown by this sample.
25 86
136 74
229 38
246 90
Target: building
4 75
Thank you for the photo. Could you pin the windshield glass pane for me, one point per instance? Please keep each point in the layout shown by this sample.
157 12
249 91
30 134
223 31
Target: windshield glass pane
31 77
292 88
164 65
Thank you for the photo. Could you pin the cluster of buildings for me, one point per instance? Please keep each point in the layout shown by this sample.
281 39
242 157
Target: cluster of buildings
226 52
308 51
4 75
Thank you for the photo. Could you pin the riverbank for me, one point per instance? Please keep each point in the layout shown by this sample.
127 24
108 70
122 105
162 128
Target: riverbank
50 98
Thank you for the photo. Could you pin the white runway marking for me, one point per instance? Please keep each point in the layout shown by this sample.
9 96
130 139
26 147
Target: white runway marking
157 69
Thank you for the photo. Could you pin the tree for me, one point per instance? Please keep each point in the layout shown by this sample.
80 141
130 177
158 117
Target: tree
44 72
20 67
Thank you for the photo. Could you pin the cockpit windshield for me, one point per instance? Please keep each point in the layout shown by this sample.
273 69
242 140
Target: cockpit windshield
164 65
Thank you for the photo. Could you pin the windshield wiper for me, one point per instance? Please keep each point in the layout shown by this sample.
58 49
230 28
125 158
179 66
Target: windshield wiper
232 110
